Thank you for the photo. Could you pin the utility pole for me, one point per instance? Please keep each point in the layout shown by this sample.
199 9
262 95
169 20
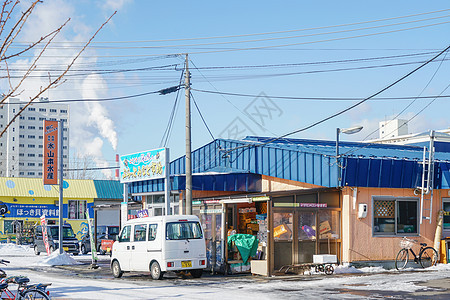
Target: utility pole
188 192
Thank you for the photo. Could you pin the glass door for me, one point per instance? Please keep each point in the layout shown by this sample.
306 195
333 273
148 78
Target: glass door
446 208
283 237
306 236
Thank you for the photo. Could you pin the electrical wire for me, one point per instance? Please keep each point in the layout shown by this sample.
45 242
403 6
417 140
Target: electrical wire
260 34
201 116
317 98
346 109
166 135
354 149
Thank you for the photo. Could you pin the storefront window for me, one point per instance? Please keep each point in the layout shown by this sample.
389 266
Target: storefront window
306 226
329 225
282 226
77 209
12 226
395 216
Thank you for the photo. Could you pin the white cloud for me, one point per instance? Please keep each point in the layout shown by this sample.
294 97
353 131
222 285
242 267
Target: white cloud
89 122
114 4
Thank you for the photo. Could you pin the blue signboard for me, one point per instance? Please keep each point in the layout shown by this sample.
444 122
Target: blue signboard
32 210
143 165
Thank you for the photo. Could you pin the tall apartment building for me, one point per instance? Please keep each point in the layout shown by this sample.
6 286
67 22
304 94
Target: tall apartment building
393 128
21 146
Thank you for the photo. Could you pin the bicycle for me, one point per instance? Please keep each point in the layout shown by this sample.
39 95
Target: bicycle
24 291
427 257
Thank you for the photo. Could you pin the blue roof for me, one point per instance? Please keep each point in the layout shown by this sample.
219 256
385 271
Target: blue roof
314 162
108 189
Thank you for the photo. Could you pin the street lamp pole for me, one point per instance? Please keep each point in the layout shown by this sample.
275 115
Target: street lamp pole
350 130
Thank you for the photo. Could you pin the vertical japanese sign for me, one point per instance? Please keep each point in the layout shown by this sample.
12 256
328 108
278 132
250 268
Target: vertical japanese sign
91 238
44 234
50 164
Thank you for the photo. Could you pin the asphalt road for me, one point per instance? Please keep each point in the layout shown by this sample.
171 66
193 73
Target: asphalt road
435 289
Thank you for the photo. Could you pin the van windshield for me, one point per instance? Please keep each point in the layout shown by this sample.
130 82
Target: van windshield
183 231
67 232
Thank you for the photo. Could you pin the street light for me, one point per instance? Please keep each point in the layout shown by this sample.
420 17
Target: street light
350 130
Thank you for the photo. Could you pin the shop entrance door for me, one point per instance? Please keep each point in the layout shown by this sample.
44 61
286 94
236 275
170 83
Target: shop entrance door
306 236
446 208
211 220
283 224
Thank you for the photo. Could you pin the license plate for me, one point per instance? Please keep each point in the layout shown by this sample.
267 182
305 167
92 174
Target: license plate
186 264
66 248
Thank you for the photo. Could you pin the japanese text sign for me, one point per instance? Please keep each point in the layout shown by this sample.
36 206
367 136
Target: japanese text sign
50 164
143 165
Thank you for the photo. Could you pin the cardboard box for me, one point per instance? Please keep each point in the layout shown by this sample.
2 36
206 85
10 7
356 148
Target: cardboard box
325 259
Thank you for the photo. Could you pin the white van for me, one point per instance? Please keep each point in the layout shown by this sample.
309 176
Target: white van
160 244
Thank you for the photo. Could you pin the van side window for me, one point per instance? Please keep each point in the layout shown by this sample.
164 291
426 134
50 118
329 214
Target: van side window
125 234
140 232
152 232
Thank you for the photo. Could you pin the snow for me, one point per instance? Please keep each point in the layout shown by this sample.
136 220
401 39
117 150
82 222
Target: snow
56 259
9 248
347 282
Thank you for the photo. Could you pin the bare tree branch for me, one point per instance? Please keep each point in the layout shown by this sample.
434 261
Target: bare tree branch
15 30
58 79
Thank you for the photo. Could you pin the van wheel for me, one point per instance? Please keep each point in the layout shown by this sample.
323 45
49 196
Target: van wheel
83 249
197 273
116 270
36 251
51 249
155 271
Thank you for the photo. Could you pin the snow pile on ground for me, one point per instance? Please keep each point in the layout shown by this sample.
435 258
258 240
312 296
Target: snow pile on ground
353 270
10 248
56 259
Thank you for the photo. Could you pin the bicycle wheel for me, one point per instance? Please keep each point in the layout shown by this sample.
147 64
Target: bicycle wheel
428 257
34 294
402 259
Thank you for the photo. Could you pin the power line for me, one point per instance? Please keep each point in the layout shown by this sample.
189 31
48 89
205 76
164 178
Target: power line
317 98
346 109
201 116
264 33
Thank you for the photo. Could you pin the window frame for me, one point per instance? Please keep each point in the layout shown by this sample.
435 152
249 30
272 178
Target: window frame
135 232
396 202
77 212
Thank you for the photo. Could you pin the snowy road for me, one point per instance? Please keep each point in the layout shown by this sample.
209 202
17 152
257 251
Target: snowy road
79 282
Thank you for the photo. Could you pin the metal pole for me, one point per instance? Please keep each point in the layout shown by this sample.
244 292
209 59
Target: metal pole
188 140
167 182
61 180
338 173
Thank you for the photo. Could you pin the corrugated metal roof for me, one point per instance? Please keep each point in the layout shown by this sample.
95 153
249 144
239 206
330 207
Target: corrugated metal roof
108 189
314 162
34 187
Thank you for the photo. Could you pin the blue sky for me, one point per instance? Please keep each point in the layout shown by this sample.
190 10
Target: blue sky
332 52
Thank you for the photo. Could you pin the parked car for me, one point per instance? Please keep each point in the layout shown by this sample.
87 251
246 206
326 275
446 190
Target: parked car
160 244
103 233
70 242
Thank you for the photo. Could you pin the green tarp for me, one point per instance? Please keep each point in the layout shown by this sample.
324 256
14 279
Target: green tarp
247 244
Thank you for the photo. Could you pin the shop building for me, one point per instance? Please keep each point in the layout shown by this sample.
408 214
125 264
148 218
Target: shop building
294 196
27 199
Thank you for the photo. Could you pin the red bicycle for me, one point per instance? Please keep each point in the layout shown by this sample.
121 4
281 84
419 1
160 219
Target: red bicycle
24 291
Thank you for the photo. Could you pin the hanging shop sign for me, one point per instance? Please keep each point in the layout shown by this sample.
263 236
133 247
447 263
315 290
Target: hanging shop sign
211 211
50 172
315 205
302 205
260 198
143 165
